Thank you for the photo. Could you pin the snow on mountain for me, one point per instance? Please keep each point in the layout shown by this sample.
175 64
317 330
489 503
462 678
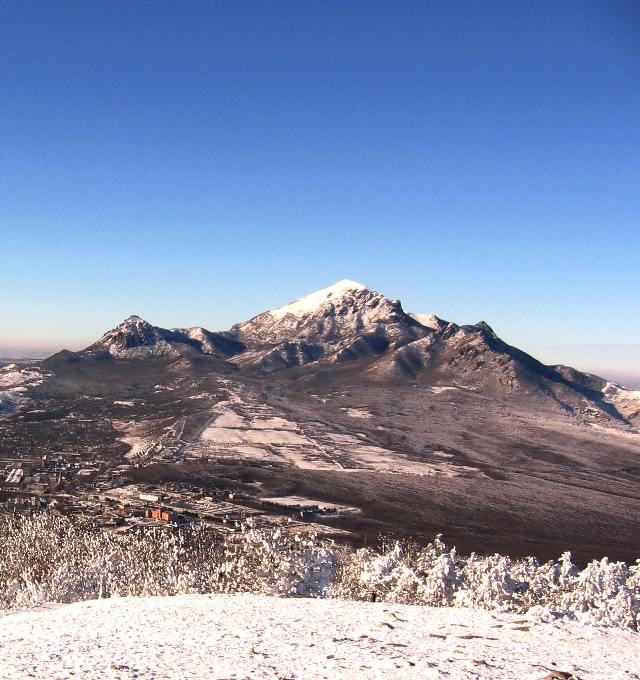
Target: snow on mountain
132 332
16 380
348 322
204 341
248 636
10 400
310 303
15 375
346 307
137 337
626 401
429 321
343 322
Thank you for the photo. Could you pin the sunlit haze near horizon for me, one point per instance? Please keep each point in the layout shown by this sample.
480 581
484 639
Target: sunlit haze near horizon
199 163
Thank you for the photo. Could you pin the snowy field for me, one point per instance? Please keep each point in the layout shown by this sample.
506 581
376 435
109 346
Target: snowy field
246 430
248 636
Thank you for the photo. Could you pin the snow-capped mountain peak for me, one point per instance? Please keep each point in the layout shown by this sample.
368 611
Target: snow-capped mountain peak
346 307
132 332
308 304
342 322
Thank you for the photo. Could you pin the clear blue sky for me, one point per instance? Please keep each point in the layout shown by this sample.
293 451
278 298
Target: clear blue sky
197 163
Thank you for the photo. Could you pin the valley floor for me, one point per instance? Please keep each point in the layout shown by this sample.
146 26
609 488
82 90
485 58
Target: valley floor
243 636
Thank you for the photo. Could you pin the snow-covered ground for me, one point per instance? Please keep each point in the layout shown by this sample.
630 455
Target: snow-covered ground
247 636
313 446
13 375
13 399
14 381
626 401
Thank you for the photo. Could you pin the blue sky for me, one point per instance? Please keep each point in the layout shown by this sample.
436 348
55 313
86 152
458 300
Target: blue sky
196 163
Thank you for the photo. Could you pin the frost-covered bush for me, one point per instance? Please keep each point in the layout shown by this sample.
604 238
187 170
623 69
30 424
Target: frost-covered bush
487 583
604 593
47 558
403 573
277 562
51 559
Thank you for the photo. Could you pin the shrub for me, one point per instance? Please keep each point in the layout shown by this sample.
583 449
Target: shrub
52 559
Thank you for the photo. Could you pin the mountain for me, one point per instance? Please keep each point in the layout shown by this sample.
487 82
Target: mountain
344 322
418 425
135 336
352 325
351 330
349 323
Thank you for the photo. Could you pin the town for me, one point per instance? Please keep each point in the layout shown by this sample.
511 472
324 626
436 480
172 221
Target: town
92 489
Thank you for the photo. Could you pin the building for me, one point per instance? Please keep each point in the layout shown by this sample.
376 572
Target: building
163 514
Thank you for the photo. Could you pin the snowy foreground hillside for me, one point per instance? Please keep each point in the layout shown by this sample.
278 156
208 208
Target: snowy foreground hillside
249 636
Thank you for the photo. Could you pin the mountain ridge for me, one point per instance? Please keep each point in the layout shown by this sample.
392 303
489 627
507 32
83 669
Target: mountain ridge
349 323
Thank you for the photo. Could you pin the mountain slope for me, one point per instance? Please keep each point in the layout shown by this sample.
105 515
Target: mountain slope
475 357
